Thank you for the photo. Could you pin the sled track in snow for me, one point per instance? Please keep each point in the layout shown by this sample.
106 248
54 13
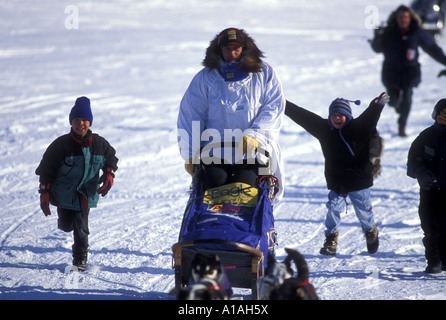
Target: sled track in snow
7 233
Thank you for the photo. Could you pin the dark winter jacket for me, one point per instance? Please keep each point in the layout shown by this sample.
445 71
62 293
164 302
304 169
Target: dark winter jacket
345 170
428 151
401 68
72 164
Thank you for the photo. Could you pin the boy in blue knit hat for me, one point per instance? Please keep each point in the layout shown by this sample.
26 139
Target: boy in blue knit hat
69 177
345 144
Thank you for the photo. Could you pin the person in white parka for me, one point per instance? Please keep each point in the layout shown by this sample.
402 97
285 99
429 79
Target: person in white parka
231 114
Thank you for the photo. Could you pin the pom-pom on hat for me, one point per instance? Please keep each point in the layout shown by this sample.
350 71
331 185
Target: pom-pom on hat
81 109
231 36
441 104
342 106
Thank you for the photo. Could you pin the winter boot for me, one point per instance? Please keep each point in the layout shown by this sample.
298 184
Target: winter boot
402 131
80 263
372 239
330 244
80 260
433 267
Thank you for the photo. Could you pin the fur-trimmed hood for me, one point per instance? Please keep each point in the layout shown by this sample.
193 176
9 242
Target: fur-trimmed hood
251 56
415 18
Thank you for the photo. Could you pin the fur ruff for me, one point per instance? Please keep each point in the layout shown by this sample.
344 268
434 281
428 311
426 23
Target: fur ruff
251 57
415 18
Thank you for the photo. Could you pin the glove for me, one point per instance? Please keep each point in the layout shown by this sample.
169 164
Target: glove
442 73
247 145
107 180
44 190
190 167
383 99
426 179
378 32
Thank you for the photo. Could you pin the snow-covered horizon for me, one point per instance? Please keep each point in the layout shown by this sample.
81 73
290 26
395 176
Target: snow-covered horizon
134 60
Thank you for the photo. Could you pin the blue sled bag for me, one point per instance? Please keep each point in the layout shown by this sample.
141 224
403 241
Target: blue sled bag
234 212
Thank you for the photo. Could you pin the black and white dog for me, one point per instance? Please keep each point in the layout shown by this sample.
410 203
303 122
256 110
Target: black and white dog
279 282
207 280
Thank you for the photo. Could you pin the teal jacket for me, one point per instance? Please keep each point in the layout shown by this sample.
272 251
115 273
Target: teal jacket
72 166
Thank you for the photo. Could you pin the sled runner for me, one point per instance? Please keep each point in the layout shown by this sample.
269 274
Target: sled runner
234 221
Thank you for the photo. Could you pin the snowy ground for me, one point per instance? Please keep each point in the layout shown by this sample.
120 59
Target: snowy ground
135 59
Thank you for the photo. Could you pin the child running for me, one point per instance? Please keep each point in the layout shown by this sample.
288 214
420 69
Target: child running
348 169
69 177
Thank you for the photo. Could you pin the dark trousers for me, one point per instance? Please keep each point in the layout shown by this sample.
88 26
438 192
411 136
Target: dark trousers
432 211
218 175
401 100
76 221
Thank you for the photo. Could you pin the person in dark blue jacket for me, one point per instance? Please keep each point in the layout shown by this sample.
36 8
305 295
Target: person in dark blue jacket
399 42
427 163
69 177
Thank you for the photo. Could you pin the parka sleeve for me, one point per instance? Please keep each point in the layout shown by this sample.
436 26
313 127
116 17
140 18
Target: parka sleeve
270 116
415 156
51 160
111 161
308 120
428 44
378 42
368 120
192 117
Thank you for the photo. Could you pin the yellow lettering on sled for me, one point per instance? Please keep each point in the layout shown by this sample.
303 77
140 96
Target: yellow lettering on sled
236 194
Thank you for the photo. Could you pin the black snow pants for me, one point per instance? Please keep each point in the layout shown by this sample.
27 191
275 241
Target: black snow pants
402 101
76 221
432 211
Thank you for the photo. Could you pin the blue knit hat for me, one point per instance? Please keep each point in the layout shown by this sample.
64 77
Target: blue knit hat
341 106
81 109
